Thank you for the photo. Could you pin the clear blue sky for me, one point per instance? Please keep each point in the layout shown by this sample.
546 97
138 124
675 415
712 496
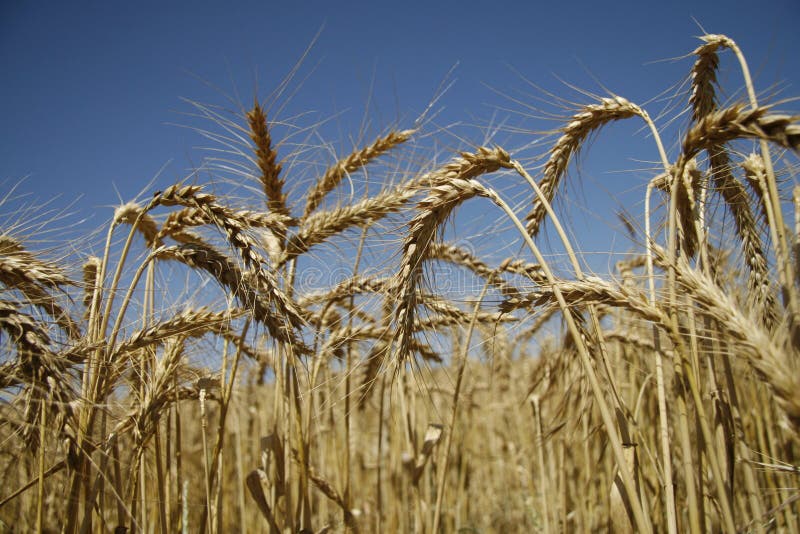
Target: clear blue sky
89 89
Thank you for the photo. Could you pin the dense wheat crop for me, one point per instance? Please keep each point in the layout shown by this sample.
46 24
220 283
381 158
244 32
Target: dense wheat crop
208 370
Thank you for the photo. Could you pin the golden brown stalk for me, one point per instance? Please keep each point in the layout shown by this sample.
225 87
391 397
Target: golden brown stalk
334 175
159 393
453 185
269 169
762 349
589 119
461 367
188 324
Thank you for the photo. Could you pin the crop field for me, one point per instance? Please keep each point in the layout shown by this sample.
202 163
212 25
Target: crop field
297 341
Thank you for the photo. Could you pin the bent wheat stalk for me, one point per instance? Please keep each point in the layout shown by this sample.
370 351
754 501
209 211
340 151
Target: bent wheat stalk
589 119
453 186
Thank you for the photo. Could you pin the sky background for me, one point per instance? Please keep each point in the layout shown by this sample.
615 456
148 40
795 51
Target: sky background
91 93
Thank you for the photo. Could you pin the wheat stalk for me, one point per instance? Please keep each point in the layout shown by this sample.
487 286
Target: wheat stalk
178 221
738 121
255 292
265 159
453 185
32 277
704 74
589 119
354 161
134 214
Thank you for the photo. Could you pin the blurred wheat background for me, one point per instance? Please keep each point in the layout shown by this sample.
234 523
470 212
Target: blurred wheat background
299 339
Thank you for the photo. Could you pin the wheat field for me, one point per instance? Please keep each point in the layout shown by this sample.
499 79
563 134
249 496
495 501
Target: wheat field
208 371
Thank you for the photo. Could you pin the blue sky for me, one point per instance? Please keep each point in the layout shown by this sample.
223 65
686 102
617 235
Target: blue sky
92 91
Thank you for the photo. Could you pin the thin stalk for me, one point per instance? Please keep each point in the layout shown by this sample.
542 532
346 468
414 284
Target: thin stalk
227 391
579 274
90 373
784 260
206 468
683 424
666 452
378 473
608 421
543 491
462 365
684 371
40 488
347 381
240 471
121 512
178 455
596 324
